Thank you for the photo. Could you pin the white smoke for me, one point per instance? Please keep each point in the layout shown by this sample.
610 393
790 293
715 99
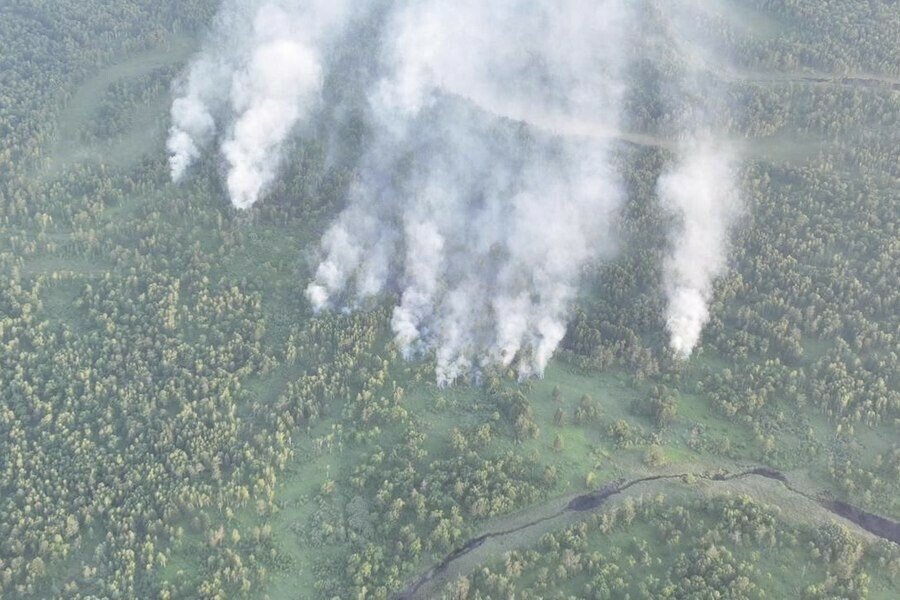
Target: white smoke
259 76
193 123
485 184
700 191
482 226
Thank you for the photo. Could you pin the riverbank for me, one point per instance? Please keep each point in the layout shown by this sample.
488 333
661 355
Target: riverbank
561 512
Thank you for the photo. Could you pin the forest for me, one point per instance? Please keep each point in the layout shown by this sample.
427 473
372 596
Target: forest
176 422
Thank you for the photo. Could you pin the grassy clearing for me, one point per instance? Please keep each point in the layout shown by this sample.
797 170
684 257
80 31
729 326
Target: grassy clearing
67 150
586 448
272 259
746 18
292 524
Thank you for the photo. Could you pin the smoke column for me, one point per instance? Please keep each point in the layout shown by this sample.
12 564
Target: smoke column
700 192
486 181
482 225
259 76
699 189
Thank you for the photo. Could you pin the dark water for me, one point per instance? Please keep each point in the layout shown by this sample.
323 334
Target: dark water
594 499
880 526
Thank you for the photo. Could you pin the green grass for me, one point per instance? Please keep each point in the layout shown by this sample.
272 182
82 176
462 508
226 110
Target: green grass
745 18
67 149
587 448
297 495
784 570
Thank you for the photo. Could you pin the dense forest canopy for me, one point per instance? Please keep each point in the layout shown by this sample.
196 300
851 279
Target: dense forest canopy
177 422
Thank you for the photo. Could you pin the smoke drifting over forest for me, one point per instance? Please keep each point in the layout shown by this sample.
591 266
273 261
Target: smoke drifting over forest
493 224
482 226
700 191
259 77
699 188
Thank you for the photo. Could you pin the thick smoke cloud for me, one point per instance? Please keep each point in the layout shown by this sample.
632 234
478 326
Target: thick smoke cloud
482 226
699 189
259 76
485 183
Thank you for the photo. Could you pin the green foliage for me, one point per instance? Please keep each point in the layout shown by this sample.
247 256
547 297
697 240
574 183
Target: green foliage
175 424
723 547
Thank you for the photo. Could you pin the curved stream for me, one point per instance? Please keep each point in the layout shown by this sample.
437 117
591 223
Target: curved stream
877 525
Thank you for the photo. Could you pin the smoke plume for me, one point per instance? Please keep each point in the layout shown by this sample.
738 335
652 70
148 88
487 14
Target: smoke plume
485 182
700 192
699 189
258 77
480 224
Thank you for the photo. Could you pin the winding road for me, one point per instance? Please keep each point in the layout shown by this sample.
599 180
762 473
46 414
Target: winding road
589 127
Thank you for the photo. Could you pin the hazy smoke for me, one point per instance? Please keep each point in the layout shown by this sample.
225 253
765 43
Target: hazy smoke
700 191
481 225
485 182
259 75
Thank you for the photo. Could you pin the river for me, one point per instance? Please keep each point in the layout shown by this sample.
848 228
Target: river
877 525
